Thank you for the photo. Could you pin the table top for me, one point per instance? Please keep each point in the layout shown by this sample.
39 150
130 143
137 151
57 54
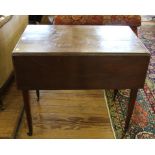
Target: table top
79 40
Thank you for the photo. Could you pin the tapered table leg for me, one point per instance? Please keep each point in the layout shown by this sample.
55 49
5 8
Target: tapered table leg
27 109
133 95
115 93
38 95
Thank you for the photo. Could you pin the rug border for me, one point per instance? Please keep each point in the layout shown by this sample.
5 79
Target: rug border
106 102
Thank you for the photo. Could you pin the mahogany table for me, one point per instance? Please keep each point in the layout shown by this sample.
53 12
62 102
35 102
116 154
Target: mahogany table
79 57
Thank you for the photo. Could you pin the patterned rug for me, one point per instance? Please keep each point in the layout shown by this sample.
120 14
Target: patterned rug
142 123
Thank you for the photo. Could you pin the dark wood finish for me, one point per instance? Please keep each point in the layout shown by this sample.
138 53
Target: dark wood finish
18 123
133 95
115 93
1 104
131 104
27 110
38 95
80 57
78 40
80 72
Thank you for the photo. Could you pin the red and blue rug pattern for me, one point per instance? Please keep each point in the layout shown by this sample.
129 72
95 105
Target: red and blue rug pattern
142 123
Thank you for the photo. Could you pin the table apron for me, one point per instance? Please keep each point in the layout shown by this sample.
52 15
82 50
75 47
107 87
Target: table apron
80 72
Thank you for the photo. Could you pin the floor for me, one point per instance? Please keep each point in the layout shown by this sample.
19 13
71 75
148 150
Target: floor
58 114
9 117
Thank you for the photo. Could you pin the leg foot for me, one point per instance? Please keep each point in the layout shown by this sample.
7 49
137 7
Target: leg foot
1 105
133 95
38 95
27 109
29 133
115 93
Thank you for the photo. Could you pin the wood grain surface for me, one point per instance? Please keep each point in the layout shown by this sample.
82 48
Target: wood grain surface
68 114
58 114
9 117
78 40
80 72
